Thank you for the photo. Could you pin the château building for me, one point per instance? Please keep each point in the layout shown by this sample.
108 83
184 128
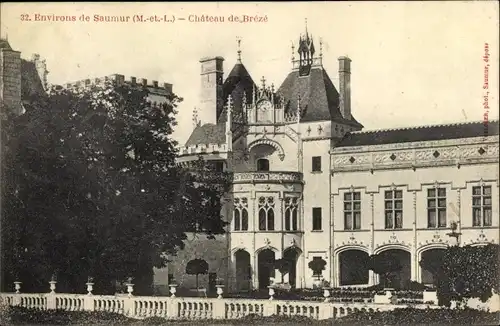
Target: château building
21 80
309 183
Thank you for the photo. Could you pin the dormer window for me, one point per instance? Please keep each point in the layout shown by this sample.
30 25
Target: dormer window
262 164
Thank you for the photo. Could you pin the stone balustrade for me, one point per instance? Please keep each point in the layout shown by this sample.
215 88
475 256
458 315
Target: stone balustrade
203 149
253 177
173 307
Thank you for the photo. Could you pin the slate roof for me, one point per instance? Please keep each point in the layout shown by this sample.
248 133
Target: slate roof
238 83
4 44
318 97
208 134
420 133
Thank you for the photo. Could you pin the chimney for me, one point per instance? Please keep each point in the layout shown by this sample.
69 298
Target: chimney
144 82
155 83
345 87
41 68
211 89
133 80
10 77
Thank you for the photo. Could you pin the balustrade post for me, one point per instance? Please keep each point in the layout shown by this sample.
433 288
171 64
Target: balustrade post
219 311
129 301
327 311
16 300
51 298
172 307
88 300
269 308
129 306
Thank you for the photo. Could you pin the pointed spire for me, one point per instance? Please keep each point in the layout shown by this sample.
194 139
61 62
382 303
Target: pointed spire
238 39
307 34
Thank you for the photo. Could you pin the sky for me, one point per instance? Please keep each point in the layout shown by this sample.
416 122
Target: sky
413 63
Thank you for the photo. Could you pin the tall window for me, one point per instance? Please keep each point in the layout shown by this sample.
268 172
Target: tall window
266 213
316 164
394 209
352 211
291 215
481 206
241 214
262 164
316 219
436 208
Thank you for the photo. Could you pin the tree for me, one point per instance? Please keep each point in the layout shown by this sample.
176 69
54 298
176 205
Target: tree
196 267
386 265
432 262
317 265
90 187
284 266
468 272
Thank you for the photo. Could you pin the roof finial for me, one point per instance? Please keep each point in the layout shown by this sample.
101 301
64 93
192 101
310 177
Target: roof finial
195 117
320 47
307 35
238 39
293 52
263 80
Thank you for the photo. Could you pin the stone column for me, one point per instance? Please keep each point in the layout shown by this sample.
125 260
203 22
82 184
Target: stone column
278 216
414 259
335 258
372 277
330 240
253 225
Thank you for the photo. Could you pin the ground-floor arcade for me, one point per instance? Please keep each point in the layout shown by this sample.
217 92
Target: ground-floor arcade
257 270
350 267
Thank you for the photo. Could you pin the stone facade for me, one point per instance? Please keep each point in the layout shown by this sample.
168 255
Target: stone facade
308 183
21 80
10 78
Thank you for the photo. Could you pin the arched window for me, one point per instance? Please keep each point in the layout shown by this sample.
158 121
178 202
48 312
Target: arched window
266 213
291 214
262 164
240 214
237 220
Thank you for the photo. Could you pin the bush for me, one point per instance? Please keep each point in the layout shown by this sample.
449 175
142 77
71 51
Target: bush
154 321
406 316
412 316
23 316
